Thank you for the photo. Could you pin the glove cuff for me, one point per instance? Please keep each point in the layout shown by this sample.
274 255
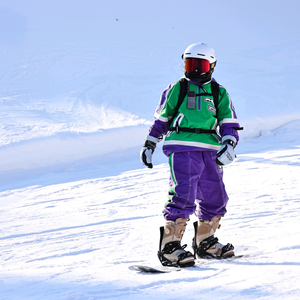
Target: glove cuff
150 142
229 139
152 139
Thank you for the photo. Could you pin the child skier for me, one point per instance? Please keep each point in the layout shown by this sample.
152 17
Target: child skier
196 157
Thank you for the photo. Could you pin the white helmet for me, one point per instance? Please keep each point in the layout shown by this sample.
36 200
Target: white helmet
199 62
202 51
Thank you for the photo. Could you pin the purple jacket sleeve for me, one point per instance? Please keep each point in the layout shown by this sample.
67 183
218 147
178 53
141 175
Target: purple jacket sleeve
228 129
159 128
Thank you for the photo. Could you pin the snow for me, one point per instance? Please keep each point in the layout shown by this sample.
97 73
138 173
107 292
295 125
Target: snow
79 83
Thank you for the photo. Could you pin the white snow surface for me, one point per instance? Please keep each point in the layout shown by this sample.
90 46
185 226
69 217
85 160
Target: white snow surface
79 83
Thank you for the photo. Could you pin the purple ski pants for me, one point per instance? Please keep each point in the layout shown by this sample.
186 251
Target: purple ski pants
195 178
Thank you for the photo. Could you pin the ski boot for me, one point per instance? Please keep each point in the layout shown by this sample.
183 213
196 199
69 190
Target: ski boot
171 253
205 245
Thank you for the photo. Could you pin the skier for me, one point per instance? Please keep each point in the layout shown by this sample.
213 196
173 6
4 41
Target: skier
200 136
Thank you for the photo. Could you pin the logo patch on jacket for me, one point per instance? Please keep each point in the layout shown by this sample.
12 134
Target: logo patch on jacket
209 100
212 109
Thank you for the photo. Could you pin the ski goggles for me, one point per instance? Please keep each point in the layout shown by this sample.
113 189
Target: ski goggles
197 65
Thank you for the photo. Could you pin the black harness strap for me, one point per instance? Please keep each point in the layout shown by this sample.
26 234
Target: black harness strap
183 92
193 130
215 90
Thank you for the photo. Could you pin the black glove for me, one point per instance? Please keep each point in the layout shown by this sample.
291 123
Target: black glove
147 151
226 154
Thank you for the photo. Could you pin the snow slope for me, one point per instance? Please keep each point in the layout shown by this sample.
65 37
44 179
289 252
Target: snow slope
76 239
79 82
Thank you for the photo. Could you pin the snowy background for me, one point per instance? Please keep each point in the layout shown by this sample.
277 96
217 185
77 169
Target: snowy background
79 83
